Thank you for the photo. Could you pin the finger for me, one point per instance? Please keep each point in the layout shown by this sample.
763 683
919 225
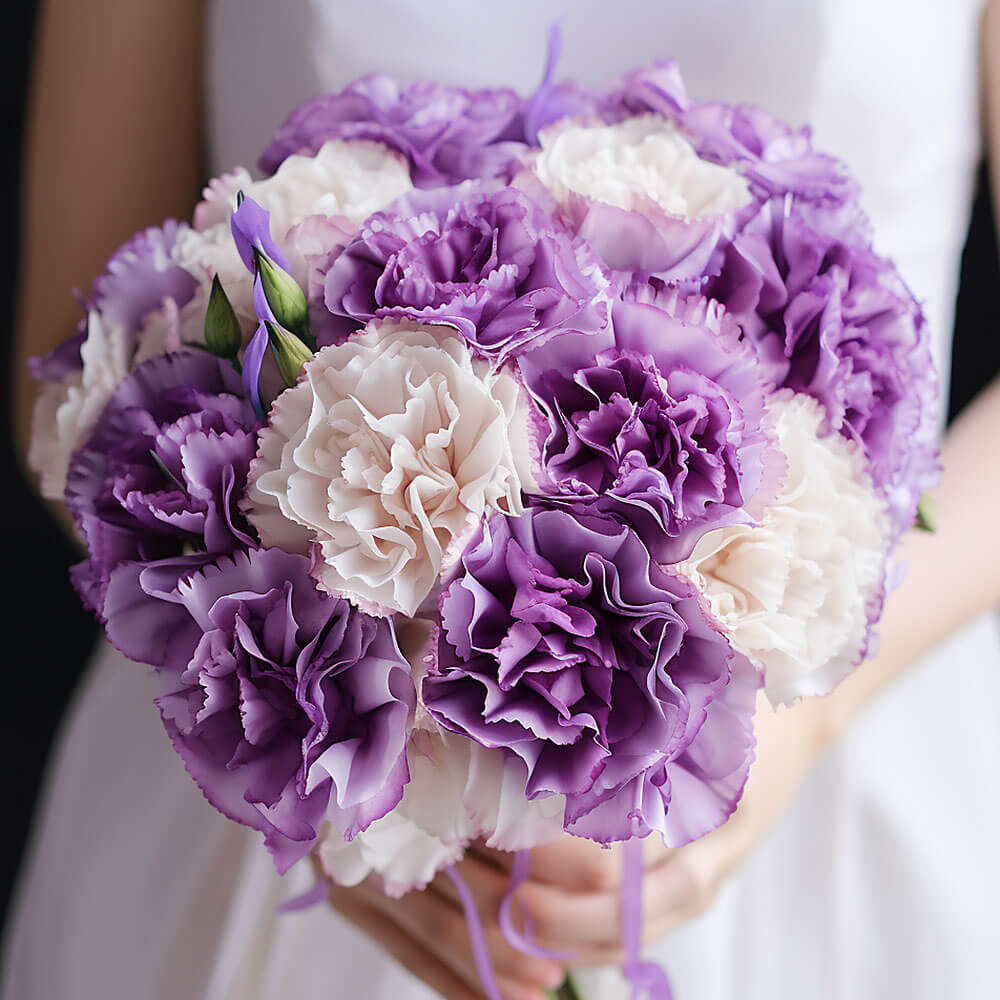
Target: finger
577 864
440 926
488 883
401 946
560 920
587 924
569 862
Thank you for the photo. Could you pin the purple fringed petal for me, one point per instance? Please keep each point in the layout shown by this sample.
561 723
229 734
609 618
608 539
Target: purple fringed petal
657 419
136 280
140 275
563 643
289 705
60 361
163 469
832 319
483 258
448 134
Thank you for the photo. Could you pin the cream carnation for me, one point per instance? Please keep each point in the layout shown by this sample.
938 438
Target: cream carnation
458 792
638 160
346 180
66 412
389 450
794 591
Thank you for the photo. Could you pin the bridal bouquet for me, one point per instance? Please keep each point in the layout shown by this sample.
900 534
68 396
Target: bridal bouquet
467 476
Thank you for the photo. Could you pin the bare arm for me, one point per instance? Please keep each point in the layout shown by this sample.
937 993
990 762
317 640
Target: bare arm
954 570
952 578
112 146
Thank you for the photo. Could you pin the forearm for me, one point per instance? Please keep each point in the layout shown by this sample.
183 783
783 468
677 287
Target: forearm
953 574
112 146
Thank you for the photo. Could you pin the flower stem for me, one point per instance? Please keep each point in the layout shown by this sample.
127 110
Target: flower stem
567 991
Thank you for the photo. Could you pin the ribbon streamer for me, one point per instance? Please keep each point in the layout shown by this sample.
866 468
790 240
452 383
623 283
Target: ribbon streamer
480 949
317 894
645 977
523 942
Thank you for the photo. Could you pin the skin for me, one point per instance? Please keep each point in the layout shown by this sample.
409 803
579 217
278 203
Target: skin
126 57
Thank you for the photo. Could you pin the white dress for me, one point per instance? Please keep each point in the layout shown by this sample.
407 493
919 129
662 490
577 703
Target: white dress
883 878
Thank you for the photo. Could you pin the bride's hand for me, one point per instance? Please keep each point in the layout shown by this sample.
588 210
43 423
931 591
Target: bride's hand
573 895
427 933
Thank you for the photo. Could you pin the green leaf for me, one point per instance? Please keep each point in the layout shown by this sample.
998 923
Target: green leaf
289 352
925 514
223 336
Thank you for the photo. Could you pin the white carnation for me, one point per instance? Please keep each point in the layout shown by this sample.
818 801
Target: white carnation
638 160
794 590
458 792
66 412
386 454
350 180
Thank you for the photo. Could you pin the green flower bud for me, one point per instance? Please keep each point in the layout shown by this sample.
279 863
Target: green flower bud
286 299
223 336
925 514
289 352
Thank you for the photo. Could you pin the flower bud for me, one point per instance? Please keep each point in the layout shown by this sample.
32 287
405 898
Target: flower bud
286 299
223 336
289 352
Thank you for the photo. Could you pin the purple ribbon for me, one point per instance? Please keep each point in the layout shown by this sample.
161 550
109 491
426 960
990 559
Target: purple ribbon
537 113
477 938
646 978
523 942
319 893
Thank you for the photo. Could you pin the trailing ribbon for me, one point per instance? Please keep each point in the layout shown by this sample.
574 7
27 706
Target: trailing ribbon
646 978
523 942
480 950
537 114
319 893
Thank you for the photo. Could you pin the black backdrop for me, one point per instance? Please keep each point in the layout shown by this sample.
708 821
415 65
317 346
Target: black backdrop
46 632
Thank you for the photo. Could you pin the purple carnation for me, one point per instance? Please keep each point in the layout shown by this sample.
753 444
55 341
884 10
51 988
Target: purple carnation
136 279
563 643
163 469
657 419
448 134
834 320
287 705
483 258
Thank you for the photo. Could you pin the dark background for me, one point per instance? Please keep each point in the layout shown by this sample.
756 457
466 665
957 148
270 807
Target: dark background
46 631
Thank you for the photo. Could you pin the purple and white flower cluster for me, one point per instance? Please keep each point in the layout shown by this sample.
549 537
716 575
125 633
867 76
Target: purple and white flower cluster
470 474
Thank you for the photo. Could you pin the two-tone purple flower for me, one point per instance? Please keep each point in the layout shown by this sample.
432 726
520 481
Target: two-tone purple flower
483 258
161 474
564 644
288 706
448 134
832 319
656 419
